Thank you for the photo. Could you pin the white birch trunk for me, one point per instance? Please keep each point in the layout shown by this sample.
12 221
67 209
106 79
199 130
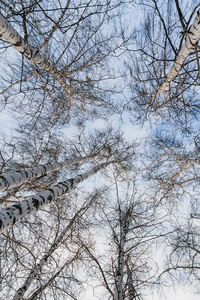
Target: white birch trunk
20 293
18 212
192 38
13 179
32 53
118 295
131 289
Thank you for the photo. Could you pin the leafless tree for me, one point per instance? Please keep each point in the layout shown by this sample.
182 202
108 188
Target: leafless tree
121 267
46 255
61 62
165 64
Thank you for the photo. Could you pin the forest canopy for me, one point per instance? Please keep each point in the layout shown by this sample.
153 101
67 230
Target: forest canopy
99 149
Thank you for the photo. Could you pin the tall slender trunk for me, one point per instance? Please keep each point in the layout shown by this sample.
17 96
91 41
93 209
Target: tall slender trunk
118 295
32 53
38 268
18 212
192 38
13 179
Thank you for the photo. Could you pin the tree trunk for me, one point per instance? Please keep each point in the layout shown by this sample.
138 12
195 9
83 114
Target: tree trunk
13 179
192 38
18 212
131 289
118 295
19 294
32 53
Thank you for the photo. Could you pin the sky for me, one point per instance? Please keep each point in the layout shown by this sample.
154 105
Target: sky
131 131
181 293
186 292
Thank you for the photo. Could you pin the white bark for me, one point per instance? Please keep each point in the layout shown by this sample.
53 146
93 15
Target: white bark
192 38
13 179
32 53
18 212
118 295
19 294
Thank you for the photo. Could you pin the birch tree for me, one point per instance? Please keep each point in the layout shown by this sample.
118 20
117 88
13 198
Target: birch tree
35 155
49 258
17 212
116 152
11 180
165 72
38 268
190 43
24 150
122 266
67 78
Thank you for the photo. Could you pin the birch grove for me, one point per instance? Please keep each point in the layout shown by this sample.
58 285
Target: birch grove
110 89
